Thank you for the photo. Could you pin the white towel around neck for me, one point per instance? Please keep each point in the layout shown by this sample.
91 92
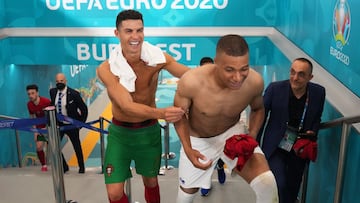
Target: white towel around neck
150 54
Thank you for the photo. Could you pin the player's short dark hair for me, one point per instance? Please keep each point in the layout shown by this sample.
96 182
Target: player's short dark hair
32 87
128 15
232 45
206 59
305 60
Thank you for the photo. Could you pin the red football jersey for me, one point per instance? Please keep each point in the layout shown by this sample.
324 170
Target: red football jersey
38 110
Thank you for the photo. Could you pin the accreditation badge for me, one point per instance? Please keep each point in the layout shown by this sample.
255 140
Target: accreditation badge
289 139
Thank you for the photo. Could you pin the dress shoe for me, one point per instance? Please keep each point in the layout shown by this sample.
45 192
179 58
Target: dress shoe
66 169
82 170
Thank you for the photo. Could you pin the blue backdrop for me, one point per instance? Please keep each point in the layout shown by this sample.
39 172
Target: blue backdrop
329 32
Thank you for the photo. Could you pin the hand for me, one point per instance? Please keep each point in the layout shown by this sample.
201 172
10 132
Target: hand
198 159
173 114
310 133
241 146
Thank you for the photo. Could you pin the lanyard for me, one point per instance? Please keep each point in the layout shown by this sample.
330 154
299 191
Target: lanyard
304 112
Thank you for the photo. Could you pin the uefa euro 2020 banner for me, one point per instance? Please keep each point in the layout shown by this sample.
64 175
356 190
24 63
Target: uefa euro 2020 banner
76 14
102 13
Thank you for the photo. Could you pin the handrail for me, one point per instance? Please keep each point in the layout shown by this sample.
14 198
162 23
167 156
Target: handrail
107 120
102 120
346 123
340 121
7 117
17 138
167 155
102 141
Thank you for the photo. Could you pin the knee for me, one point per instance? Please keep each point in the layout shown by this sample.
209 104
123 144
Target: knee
265 180
39 148
265 188
186 195
150 182
39 145
189 190
115 192
254 167
115 197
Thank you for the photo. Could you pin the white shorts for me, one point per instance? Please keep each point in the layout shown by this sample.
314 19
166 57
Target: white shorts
212 148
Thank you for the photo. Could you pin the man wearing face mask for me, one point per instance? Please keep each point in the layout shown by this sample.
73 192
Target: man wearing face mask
69 103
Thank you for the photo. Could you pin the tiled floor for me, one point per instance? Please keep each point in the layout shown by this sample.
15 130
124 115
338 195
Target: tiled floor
29 184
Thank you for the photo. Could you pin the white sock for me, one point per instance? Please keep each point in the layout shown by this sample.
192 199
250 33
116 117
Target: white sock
184 197
265 188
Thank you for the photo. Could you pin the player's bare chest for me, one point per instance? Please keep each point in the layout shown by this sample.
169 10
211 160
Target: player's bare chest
220 105
146 75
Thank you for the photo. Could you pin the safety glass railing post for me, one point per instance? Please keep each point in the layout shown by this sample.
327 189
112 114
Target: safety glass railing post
102 144
342 156
167 155
55 153
18 148
304 183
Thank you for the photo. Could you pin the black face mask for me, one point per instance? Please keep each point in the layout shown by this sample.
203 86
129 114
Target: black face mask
60 86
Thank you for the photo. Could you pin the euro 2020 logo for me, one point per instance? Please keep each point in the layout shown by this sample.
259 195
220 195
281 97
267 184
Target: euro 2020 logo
341 23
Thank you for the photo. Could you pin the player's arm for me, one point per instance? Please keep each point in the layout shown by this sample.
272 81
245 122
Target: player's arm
175 68
257 110
122 98
183 99
182 127
315 126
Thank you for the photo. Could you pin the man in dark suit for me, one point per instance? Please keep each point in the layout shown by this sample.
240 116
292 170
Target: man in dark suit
295 103
68 102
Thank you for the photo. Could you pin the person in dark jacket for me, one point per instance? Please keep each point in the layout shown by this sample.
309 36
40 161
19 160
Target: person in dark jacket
69 103
293 108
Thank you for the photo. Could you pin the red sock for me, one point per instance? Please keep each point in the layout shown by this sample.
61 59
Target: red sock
124 199
152 194
41 156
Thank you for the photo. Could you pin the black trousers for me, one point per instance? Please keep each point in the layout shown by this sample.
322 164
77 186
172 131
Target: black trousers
74 137
288 170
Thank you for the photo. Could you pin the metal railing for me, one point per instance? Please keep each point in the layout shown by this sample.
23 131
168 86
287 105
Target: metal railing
57 175
167 155
55 153
346 123
18 145
102 141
